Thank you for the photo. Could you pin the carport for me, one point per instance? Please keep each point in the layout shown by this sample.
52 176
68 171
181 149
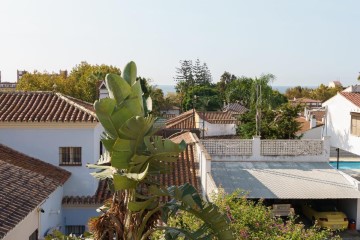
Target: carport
290 180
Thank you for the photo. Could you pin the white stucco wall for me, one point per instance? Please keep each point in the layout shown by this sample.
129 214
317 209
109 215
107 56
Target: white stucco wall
52 215
43 142
338 124
218 129
25 228
78 215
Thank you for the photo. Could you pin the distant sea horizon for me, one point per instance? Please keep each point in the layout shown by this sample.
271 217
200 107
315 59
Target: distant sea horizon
171 88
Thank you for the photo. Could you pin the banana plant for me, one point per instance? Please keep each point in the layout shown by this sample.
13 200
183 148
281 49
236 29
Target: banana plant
135 156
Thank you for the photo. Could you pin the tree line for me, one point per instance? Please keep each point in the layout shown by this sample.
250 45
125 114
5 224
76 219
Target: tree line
195 89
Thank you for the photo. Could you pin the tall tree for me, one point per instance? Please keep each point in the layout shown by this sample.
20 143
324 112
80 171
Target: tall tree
188 75
85 78
274 124
184 76
225 79
297 92
196 97
81 82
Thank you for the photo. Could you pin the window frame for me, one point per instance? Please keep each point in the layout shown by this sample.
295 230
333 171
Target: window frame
68 229
71 155
355 124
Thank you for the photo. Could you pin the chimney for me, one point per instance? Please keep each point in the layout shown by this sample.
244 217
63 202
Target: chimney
312 121
306 114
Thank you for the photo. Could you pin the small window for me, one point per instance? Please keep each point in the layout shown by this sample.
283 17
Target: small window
355 124
70 156
34 235
75 229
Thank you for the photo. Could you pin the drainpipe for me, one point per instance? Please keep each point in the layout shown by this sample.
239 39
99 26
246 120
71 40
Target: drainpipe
338 155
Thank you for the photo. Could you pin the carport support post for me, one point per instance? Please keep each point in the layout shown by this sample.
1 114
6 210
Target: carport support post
337 159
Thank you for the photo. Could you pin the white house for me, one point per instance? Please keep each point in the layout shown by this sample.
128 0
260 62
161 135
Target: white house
31 193
290 171
343 120
59 130
216 123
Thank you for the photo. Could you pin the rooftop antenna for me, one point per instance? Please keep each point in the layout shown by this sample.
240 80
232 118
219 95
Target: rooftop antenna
258 113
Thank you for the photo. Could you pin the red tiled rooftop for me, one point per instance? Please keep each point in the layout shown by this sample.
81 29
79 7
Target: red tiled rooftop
236 108
44 107
353 97
219 117
25 182
186 119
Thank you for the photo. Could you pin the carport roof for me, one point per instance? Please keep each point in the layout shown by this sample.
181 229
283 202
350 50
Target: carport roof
283 180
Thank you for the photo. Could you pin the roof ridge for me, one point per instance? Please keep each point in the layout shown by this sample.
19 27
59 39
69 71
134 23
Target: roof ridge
70 101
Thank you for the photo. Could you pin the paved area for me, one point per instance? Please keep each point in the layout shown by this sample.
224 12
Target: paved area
350 235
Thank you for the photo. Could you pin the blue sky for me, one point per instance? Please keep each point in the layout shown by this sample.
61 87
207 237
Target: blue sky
305 42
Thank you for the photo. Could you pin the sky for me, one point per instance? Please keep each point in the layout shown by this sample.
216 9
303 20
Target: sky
301 42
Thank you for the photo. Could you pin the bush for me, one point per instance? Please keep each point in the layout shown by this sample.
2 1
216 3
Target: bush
251 220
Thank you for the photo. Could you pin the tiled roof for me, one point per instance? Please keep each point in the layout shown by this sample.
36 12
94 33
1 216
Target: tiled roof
43 107
319 115
25 182
353 97
236 108
187 136
184 170
305 125
183 121
186 119
219 117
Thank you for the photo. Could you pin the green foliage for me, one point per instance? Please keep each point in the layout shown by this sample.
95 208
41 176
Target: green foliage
137 157
275 124
206 98
188 75
321 93
251 220
246 91
81 82
57 235
298 92
225 79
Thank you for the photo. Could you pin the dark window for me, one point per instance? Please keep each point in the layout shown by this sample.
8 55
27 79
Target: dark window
75 229
70 156
34 235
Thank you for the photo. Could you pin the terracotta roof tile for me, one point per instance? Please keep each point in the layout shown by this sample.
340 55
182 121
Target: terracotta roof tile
353 97
102 193
305 125
219 117
236 108
186 119
44 107
183 121
25 182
